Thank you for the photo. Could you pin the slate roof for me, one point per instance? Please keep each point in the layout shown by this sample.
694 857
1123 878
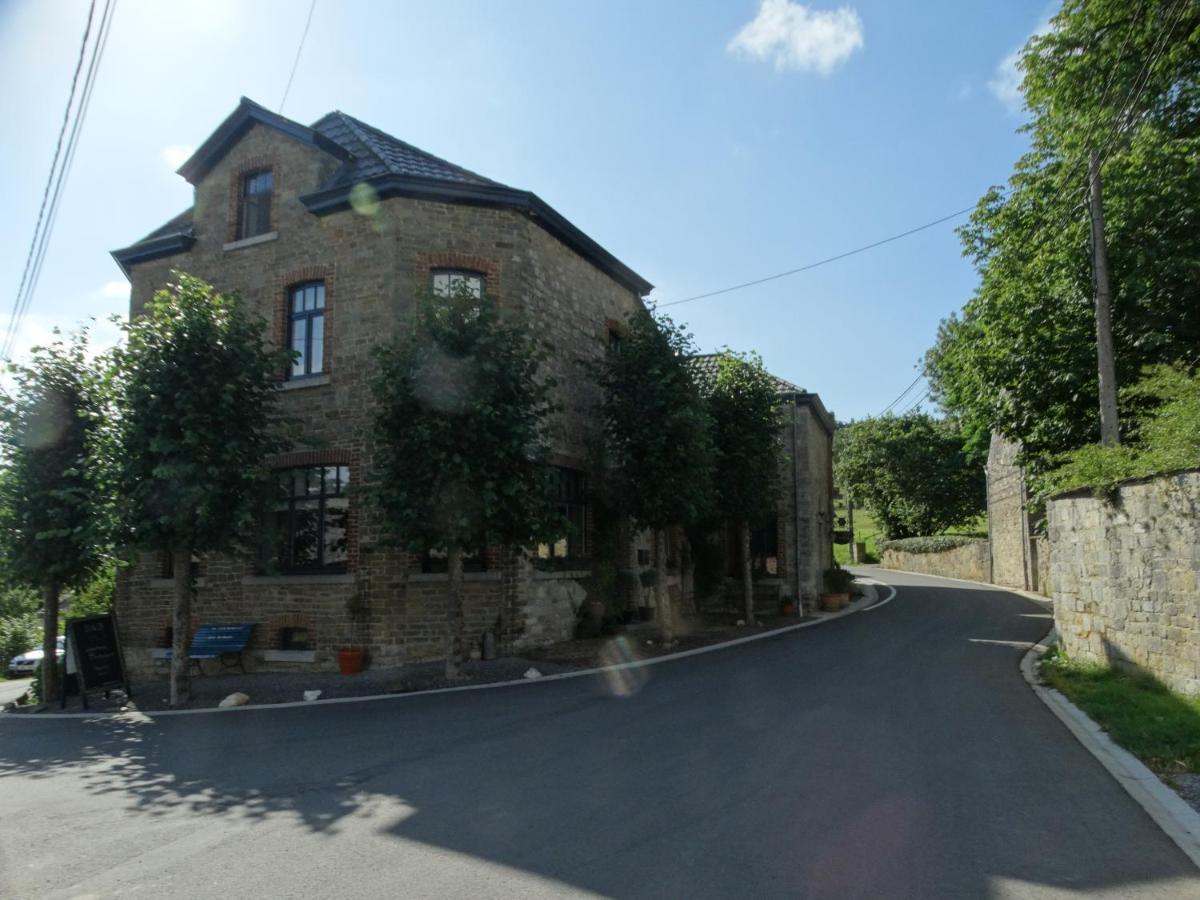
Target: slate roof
376 153
390 165
705 367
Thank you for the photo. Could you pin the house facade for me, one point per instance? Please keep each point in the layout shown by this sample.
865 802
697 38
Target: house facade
793 547
328 232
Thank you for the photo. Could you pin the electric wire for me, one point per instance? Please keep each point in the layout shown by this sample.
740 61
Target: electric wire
296 62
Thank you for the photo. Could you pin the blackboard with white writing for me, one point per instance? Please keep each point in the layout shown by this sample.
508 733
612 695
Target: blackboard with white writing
97 653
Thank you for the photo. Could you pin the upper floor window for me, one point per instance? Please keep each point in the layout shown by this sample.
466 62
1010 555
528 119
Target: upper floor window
306 529
306 328
614 341
570 496
450 281
254 208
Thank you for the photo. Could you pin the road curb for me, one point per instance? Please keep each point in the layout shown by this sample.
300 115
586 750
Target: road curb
1028 595
141 716
1170 812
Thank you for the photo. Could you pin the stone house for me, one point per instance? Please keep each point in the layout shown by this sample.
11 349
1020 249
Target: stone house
328 231
792 549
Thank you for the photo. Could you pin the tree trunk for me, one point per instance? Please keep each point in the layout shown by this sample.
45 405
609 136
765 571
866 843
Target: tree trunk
50 685
181 627
662 597
747 576
455 620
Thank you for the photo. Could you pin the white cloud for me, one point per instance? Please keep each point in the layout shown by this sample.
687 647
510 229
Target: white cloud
1005 83
175 155
792 36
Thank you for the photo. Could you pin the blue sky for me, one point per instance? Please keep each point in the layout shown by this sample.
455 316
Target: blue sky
705 144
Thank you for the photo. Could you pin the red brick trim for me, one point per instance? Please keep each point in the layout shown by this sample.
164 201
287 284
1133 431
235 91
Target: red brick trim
283 285
260 163
294 458
450 259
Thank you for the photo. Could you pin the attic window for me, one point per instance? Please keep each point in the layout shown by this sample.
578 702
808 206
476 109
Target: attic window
254 210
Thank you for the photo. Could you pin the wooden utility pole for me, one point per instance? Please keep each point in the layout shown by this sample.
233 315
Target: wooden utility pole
1110 432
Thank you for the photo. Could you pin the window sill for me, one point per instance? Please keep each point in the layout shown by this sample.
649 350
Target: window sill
345 578
292 656
251 241
170 582
551 575
295 384
425 577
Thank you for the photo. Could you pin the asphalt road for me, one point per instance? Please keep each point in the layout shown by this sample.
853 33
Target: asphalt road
893 753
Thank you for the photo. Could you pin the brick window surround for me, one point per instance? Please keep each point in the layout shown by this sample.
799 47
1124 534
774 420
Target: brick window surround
489 266
248 167
283 300
330 457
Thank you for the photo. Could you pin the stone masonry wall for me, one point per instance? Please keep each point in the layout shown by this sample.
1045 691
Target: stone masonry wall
1008 524
1125 577
970 561
372 263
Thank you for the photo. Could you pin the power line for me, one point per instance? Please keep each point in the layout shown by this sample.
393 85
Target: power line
903 393
296 62
64 171
87 30
821 262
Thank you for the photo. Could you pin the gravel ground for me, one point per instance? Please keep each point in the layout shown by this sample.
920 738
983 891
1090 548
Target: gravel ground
283 687
1187 786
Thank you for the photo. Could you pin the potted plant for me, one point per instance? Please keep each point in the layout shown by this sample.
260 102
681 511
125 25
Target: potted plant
838 582
352 657
787 607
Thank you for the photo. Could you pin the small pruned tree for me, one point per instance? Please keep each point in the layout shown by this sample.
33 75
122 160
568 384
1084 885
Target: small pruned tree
461 456
912 471
743 402
195 392
53 509
658 434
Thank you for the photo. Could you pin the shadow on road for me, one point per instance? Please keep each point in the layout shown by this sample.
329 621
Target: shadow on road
893 753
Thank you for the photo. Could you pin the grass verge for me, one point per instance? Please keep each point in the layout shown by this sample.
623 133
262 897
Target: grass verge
1138 711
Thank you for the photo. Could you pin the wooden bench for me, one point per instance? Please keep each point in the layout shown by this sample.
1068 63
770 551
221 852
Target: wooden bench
224 642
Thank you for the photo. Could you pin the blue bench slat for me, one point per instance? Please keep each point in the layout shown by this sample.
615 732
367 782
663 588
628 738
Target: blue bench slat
213 641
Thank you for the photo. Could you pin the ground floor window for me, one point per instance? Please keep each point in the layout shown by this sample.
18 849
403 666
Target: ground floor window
570 497
306 529
437 561
764 550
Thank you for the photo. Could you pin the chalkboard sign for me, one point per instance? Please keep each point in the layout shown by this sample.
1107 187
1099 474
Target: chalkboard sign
96 653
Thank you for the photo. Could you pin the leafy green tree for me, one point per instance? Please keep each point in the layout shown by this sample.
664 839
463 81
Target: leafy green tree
52 506
1021 357
659 436
461 416
743 403
912 471
195 393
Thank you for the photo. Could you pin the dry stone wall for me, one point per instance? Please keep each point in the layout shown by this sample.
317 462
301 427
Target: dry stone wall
1125 577
972 562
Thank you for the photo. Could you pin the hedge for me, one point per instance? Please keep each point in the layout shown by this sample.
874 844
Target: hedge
933 544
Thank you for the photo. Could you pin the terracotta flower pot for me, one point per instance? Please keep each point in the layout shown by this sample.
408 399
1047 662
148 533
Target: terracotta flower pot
350 660
834 602
788 609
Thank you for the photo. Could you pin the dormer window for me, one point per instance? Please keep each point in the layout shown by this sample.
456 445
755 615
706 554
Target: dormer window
254 209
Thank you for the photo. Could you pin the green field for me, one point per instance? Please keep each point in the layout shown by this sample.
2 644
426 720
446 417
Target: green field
865 530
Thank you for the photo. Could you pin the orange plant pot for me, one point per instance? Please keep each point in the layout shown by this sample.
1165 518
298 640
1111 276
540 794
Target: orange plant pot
350 660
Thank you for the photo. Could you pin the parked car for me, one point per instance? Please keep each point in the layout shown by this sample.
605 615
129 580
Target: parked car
25 664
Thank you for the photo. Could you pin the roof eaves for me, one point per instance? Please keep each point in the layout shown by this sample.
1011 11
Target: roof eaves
155 248
246 115
494 195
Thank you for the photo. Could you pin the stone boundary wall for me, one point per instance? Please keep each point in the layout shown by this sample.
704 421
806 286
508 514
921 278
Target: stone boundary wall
1126 577
970 561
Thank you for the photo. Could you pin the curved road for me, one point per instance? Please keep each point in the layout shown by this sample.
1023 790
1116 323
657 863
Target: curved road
893 753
